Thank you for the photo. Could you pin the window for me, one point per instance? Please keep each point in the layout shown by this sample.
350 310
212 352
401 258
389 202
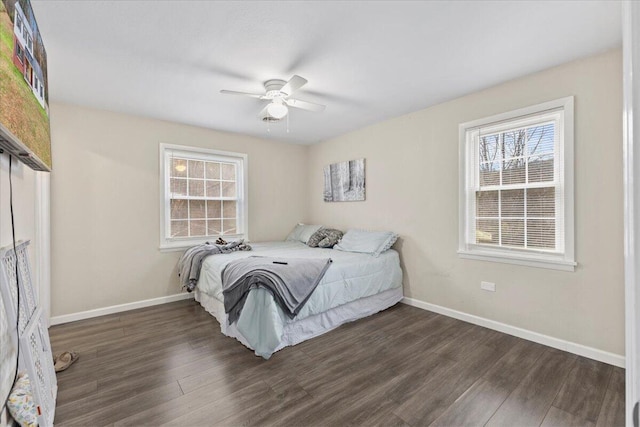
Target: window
18 22
203 195
29 43
516 187
19 52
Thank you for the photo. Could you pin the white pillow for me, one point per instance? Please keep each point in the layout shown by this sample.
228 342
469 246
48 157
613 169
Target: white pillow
302 233
367 242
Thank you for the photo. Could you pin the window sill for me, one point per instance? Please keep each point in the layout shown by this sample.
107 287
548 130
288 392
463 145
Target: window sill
538 261
175 248
181 245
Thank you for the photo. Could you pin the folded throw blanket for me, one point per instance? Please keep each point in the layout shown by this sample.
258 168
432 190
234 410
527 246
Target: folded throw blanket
191 261
291 281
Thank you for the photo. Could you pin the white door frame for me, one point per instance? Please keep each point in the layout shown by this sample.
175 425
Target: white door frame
42 244
631 164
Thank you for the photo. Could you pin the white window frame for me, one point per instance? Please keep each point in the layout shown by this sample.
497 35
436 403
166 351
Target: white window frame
564 258
167 151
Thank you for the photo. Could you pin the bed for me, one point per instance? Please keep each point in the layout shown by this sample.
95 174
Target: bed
356 285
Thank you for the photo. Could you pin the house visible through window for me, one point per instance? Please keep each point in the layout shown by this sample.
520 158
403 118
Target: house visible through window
203 195
517 187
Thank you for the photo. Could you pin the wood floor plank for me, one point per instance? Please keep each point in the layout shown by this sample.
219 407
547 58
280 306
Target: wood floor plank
458 340
382 417
399 384
168 411
104 414
437 329
558 418
69 395
530 401
287 396
475 406
354 409
98 324
456 346
583 392
515 364
612 413
404 366
399 316
434 397
340 406
217 410
65 343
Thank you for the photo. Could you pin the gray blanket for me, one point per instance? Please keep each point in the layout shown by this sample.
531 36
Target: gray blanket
291 281
190 263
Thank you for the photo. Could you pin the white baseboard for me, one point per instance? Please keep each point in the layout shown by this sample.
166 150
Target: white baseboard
66 318
571 347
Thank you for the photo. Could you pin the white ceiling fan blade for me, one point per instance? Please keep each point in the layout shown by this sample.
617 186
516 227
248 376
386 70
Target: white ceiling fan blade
252 95
295 83
304 105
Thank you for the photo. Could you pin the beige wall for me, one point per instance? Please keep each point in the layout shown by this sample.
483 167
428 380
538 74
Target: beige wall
105 203
412 188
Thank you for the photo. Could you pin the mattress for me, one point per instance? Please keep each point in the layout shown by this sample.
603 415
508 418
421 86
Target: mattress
352 283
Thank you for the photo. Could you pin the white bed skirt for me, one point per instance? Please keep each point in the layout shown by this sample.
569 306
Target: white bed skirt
298 331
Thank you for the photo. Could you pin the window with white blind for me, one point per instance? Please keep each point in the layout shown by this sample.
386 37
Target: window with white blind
516 187
203 195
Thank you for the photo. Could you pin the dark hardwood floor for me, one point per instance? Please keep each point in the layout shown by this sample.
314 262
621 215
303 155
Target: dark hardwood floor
170 364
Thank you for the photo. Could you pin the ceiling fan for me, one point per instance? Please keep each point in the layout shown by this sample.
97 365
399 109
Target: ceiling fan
278 93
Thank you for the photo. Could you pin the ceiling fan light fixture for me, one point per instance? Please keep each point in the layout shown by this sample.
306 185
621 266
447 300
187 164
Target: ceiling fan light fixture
277 110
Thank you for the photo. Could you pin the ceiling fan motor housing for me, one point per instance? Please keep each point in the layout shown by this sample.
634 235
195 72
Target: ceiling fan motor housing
272 88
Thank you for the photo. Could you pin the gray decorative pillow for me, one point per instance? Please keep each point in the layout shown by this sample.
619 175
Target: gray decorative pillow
324 238
316 238
333 237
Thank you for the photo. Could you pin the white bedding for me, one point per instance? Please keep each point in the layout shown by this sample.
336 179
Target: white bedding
351 277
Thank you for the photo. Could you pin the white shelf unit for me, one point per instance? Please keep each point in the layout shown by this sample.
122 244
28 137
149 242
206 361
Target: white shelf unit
35 348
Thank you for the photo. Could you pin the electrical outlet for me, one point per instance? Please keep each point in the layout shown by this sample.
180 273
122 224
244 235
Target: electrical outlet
488 286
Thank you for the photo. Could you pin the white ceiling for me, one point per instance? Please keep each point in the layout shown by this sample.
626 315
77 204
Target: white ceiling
367 60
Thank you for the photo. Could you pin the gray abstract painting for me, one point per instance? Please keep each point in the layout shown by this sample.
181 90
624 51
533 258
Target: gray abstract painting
344 181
